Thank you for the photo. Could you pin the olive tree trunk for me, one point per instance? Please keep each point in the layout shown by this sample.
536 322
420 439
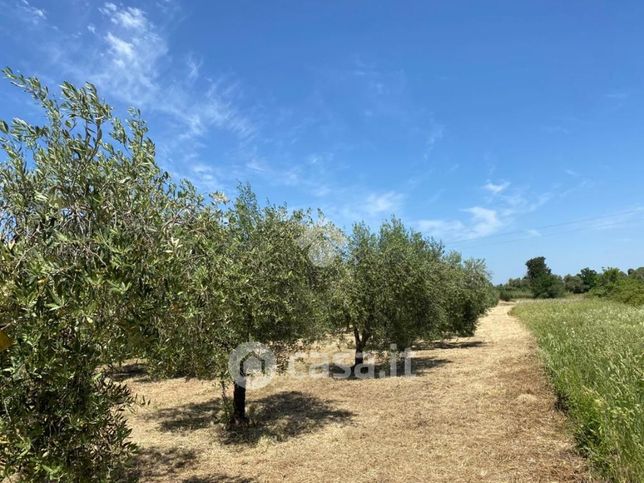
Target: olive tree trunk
361 342
239 417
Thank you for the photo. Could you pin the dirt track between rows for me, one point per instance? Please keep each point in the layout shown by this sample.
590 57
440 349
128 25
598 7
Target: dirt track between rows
477 409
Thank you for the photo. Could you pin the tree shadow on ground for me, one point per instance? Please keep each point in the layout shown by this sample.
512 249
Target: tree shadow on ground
136 371
217 479
278 417
285 415
188 417
168 464
418 365
421 365
448 344
163 463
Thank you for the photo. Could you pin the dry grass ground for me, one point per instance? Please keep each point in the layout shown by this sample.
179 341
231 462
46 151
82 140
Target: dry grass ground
478 409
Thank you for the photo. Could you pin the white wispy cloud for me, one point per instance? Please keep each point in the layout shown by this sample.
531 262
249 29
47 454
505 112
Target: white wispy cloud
214 108
482 222
435 134
32 14
130 61
348 204
122 51
129 17
496 188
388 202
506 205
108 8
616 220
205 176
442 229
311 174
383 91
127 53
135 49
581 182
193 66
281 176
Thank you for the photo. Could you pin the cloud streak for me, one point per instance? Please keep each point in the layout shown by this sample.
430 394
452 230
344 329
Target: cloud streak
482 222
138 54
496 188
32 14
505 205
388 202
126 52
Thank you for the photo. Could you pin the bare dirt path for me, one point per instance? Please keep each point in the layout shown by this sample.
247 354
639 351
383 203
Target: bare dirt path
478 409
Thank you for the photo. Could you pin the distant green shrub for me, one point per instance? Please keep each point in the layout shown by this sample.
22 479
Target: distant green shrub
615 285
589 278
629 291
574 284
514 288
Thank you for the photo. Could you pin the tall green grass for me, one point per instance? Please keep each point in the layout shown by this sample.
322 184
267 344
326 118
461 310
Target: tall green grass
594 352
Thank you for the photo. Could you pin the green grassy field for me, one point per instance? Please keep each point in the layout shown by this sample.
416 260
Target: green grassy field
594 353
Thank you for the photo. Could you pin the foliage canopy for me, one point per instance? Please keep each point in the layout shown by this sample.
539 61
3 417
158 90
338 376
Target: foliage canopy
104 257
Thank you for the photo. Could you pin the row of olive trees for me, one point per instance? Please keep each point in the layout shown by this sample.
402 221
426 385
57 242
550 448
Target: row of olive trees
254 282
395 287
103 257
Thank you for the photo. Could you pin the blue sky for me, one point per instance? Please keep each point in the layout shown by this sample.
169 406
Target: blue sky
506 129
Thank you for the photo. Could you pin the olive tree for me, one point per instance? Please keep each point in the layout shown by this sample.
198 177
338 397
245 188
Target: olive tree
395 287
247 278
387 292
80 212
469 293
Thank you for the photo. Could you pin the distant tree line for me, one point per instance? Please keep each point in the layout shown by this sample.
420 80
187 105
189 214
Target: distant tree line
104 257
626 287
610 283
